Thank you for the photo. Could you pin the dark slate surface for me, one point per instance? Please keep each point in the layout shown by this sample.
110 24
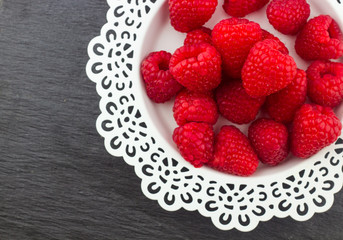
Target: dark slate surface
56 179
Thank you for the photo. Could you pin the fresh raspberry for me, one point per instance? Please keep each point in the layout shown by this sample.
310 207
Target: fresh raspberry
235 104
270 140
159 83
288 16
187 15
233 38
314 127
267 69
195 107
233 153
268 35
241 8
195 142
320 39
197 67
200 35
325 83
282 105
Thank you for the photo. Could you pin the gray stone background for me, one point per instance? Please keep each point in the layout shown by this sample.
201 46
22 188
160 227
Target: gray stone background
56 179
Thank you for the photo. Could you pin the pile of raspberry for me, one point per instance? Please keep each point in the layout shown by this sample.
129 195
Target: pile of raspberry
245 74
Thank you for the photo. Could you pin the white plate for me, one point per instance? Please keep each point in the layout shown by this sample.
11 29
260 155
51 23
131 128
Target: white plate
140 131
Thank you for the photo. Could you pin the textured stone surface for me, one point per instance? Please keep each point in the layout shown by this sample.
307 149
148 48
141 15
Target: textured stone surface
56 179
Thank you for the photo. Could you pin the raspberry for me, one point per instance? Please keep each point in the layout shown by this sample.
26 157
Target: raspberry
234 38
197 67
241 8
267 69
195 142
314 127
233 153
288 16
235 104
325 83
320 39
282 105
195 107
159 83
187 15
270 140
268 35
200 35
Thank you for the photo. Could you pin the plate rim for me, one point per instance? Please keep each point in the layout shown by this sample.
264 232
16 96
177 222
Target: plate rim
120 152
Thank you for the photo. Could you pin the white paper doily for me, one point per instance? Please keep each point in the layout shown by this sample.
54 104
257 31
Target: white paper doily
140 131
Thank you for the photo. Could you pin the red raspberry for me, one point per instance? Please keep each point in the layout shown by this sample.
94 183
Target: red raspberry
187 15
233 153
268 35
195 107
267 69
325 83
314 127
320 39
200 35
235 104
195 142
241 8
197 67
159 83
234 38
270 140
288 16
282 105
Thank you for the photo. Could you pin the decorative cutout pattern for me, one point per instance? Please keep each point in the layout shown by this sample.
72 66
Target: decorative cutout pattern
167 180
